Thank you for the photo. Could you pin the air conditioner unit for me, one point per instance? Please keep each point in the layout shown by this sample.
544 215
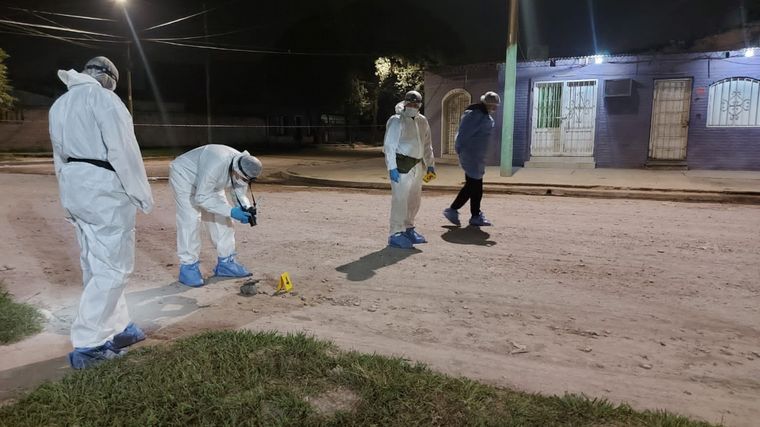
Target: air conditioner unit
618 88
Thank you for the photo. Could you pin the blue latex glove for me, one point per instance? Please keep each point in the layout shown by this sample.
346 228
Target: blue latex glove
431 169
395 176
239 214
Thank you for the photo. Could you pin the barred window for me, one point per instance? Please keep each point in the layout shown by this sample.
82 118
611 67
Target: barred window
734 102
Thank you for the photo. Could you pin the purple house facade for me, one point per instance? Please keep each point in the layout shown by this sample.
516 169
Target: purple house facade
696 111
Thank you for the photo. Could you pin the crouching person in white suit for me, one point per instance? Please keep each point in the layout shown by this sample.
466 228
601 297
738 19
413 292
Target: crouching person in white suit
201 180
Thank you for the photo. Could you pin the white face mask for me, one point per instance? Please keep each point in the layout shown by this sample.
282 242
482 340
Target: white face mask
239 183
411 111
107 82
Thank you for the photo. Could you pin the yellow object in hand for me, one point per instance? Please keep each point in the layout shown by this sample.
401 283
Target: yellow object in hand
429 177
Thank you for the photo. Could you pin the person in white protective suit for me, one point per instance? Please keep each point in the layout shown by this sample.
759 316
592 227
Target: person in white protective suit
408 150
102 183
201 179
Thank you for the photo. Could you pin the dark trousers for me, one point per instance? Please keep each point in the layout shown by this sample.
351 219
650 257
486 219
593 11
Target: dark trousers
472 191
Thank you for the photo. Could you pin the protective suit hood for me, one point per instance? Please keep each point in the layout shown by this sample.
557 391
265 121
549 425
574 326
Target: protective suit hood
400 107
235 165
73 78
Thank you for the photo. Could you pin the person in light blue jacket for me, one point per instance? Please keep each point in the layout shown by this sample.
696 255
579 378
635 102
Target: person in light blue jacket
472 141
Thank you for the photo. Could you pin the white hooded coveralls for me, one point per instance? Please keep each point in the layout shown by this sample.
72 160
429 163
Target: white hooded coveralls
90 122
410 137
200 180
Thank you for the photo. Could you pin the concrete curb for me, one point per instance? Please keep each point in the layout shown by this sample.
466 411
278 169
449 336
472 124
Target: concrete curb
674 195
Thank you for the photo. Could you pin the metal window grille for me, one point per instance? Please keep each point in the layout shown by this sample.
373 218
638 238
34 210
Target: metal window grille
549 106
734 102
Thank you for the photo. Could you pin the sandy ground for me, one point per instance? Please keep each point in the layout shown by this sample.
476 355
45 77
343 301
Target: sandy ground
656 304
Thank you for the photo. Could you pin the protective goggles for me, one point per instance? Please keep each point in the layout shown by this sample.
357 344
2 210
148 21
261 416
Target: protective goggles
246 178
103 70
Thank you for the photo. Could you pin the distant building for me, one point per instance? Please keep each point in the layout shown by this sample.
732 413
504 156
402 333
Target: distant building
695 110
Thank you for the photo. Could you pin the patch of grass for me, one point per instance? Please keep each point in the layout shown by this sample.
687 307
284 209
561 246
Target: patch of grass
17 320
244 378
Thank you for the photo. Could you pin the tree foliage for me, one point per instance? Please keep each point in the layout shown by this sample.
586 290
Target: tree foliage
6 100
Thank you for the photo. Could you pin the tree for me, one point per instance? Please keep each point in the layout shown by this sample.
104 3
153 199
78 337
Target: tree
6 100
393 76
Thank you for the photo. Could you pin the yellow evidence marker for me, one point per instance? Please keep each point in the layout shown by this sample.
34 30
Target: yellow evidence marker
285 284
429 177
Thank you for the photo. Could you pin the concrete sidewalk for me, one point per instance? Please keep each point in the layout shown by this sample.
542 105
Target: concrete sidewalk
698 185
364 168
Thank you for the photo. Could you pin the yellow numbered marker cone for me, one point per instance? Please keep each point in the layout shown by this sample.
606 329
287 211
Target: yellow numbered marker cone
429 177
285 284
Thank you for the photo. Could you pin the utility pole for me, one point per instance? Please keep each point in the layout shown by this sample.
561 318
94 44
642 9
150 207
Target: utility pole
208 79
510 81
129 79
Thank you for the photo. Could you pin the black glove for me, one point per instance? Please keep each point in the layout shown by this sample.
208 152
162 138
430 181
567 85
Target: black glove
252 219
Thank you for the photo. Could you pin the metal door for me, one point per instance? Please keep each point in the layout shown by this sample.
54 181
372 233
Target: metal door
453 107
564 118
547 118
670 119
579 118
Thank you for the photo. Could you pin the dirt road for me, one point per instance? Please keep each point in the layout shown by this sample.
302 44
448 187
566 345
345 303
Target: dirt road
656 304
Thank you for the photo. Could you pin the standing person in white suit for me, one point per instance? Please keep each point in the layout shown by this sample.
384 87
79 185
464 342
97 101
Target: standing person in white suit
102 182
201 179
408 151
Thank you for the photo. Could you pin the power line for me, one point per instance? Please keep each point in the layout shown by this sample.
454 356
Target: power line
257 51
90 18
61 38
57 23
190 16
37 33
179 19
49 27
200 36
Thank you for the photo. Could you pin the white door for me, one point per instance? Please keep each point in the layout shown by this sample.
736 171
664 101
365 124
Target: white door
579 118
564 118
670 119
547 118
454 104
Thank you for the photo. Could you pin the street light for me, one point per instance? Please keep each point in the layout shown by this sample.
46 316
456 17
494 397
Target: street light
749 52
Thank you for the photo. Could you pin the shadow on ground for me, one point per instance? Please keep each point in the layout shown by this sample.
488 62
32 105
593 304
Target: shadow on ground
366 266
469 235
15 382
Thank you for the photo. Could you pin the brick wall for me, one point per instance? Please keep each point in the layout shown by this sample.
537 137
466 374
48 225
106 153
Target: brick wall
622 124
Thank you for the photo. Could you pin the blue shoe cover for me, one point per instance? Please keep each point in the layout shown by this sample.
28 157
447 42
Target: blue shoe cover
87 357
399 240
480 221
132 334
228 267
190 275
452 215
414 236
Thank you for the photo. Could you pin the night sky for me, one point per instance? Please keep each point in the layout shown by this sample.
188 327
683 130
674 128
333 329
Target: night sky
352 32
